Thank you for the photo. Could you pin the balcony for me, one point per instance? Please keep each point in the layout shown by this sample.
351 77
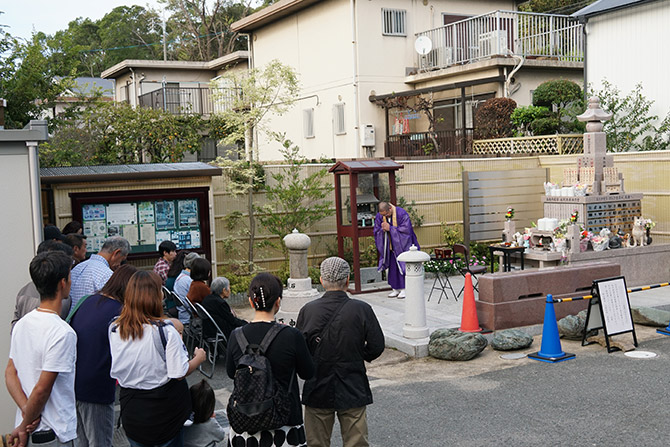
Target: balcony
451 143
188 100
503 33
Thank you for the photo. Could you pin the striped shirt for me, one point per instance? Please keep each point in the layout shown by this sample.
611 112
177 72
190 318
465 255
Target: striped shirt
89 277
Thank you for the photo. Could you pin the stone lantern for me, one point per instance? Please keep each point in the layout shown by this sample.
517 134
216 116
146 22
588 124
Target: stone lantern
415 305
299 289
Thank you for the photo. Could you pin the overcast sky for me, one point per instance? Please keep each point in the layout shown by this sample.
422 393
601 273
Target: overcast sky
49 16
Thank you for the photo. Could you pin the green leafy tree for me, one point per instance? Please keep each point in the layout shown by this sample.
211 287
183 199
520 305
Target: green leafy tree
554 6
523 117
296 199
107 133
564 100
250 100
632 127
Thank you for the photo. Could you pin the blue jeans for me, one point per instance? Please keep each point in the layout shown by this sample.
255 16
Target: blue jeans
177 441
95 424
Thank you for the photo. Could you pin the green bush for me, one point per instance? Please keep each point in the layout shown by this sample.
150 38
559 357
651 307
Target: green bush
522 117
545 126
564 100
557 92
451 234
492 118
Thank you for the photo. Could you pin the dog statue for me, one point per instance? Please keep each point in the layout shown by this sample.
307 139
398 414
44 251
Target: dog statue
639 234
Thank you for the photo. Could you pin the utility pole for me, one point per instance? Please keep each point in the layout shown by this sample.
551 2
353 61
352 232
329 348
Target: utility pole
164 40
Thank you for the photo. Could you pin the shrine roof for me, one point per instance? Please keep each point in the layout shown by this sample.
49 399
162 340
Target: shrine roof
372 165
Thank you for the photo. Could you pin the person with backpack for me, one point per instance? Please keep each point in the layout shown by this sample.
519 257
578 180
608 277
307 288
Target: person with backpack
94 389
342 334
263 359
149 360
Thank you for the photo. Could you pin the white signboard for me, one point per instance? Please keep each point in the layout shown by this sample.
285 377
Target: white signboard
615 306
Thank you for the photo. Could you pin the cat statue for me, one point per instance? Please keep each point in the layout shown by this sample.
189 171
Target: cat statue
639 233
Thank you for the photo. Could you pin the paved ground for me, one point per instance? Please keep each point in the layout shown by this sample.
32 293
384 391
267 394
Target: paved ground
597 399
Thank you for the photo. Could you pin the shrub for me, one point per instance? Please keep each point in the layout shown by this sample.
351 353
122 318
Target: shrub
558 92
492 119
522 117
564 101
545 126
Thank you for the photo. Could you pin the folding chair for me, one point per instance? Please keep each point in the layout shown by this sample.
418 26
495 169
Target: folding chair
444 283
170 297
211 344
192 330
472 270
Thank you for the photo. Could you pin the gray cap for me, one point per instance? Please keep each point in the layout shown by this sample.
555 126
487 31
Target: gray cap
188 260
334 269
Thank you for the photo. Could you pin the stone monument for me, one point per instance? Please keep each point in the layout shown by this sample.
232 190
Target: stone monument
299 289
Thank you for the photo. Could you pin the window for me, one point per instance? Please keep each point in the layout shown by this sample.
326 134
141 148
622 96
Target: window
338 119
393 22
308 123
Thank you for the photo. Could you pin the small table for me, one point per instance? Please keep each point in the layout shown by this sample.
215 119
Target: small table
507 256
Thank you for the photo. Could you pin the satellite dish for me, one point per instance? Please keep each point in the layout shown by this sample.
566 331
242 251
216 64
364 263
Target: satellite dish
423 45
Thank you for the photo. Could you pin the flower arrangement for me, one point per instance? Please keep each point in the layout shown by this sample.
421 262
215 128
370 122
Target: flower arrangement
509 214
562 228
574 216
649 224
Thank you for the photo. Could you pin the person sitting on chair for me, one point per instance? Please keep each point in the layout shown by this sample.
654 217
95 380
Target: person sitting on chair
215 304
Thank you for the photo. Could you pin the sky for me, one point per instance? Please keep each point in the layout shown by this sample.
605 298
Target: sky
49 16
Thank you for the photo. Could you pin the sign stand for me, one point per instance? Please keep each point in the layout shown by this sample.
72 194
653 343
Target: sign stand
609 310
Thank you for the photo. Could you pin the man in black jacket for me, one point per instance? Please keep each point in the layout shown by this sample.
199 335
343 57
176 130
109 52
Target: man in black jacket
342 333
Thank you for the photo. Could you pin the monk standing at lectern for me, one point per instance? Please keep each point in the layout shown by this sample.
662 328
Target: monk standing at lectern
393 235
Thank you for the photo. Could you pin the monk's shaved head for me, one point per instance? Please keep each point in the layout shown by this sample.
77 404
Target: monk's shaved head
384 206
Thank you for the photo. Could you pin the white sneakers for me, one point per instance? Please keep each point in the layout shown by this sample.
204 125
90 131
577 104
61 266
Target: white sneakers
400 294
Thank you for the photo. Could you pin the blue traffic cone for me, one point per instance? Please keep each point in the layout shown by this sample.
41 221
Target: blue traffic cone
665 331
550 350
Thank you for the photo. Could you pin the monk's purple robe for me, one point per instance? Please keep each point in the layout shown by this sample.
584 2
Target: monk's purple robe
399 239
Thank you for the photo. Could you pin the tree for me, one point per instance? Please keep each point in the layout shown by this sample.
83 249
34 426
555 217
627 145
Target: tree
554 6
200 29
250 99
632 127
296 199
492 118
105 133
28 81
564 100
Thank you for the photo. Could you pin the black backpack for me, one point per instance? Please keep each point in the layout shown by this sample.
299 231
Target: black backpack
258 401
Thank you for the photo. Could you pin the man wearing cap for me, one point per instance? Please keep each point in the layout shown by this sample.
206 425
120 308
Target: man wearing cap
393 235
342 333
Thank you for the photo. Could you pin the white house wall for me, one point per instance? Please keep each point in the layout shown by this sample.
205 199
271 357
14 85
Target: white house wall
629 47
317 42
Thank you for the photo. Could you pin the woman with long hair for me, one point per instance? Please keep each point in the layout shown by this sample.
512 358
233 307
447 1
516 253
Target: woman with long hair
149 360
287 354
93 387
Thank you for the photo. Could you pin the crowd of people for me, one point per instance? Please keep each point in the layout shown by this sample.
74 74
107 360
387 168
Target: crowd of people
84 327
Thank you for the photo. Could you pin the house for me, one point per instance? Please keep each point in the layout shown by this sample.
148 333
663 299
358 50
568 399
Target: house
370 70
180 87
626 41
82 89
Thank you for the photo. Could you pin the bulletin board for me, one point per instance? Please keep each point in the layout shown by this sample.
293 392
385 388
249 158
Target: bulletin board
145 218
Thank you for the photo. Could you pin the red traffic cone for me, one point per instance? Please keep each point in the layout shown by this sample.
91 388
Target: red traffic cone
469 320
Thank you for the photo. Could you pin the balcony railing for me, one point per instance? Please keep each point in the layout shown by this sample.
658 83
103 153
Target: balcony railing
450 143
503 33
189 100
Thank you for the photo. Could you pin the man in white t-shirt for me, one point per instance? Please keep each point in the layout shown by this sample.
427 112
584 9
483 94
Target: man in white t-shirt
41 368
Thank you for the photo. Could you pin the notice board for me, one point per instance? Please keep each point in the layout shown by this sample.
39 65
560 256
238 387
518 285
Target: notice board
146 218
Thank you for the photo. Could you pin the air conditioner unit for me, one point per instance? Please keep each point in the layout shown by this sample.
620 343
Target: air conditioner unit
493 42
440 57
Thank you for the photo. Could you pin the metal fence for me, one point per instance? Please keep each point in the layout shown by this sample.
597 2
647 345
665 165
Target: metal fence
189 100
504 33
450 143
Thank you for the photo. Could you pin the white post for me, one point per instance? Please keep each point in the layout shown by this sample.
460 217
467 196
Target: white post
415 305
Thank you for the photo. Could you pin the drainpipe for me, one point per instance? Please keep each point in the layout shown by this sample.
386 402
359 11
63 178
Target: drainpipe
354 54
134 87
584 21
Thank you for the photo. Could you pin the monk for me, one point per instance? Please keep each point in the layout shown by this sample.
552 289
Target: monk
393 235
